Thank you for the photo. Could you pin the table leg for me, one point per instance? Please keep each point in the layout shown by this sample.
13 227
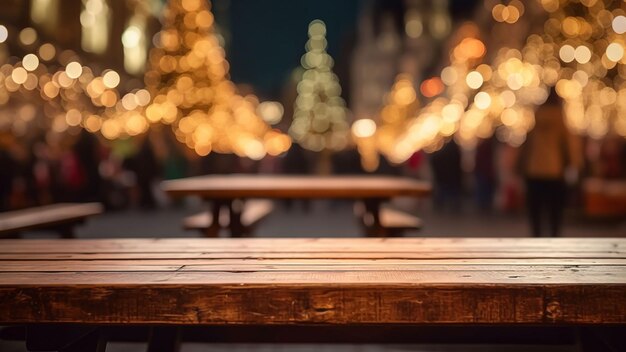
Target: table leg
371 218
214 229
603 338
67 231
164 339
64 339
237 229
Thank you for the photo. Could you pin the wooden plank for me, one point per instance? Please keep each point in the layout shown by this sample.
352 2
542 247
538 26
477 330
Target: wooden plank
111 266
305 281
512 275
276 186
47 216
312 255
339 263
314 304
312 245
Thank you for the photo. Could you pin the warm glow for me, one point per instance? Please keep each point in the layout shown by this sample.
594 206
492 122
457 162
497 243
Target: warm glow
413 24
582 54
482 100
47 52
30 62
619 24
271 111
363 128
19 75
474 80
432 87
111 79
73 70
28 36
615 52
4 34
95 21
566 53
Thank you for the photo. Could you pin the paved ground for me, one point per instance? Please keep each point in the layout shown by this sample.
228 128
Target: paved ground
333 219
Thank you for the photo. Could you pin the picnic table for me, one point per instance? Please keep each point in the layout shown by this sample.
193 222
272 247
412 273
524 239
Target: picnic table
228 191
60 217
56 287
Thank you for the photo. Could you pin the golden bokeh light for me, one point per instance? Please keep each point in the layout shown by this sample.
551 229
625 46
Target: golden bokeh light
111 79
73 70
364 128
4 34
30 62
474 80
28 36
19 75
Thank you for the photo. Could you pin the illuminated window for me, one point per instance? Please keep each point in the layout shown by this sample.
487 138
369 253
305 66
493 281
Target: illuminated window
45 13
95 21
134 42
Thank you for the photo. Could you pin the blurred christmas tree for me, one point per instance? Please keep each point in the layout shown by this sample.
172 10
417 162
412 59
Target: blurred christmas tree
188 78
319 121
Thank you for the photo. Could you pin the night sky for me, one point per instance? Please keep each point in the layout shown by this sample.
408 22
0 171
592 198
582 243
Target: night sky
268 36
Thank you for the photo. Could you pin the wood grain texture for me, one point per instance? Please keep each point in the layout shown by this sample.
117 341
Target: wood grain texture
48 216
493 246
314 281
303 187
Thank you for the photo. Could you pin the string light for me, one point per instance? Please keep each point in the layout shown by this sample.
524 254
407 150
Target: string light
582 56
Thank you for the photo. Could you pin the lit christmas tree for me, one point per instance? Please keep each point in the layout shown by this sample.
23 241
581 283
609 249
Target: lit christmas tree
319 121
189 81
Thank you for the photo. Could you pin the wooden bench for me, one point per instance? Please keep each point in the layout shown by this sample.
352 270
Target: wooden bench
393 222
253 212
74 293
61 218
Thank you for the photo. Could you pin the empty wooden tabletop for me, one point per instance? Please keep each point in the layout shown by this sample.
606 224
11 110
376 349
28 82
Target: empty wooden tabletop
303 281
278 186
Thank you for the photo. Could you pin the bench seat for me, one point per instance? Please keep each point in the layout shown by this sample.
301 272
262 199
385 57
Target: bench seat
394 222
254 211
60 217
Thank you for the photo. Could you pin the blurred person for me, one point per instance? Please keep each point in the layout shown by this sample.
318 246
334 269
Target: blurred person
175 164
88 155
220 164
43 171
549 152
485 174
24 187
7 167
448 176
510 187
145 166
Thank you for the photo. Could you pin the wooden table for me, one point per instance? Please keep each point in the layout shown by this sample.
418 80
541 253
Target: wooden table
515 282
227 191
59 217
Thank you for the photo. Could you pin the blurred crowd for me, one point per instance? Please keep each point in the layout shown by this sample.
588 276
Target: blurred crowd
126 173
